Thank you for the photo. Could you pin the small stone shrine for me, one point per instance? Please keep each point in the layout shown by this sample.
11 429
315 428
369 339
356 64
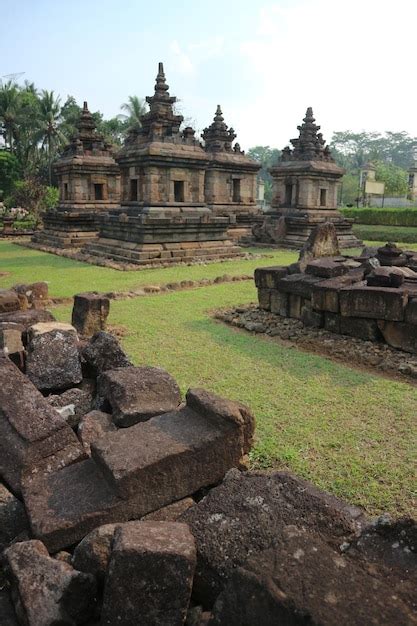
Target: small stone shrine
306 181
372 296
164 217
89 183
231 178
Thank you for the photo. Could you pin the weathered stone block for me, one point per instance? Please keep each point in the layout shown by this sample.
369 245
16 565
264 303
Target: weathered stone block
103 352
326 268
92 554
93 426
360 327
64 506
78 400
399 335
134 585
192 448
30 429
298 284
312 319
295 303
47 591
248 512
267 277
11 340
279 303
27 318
410 314
333 589
332 322
13 519
9 301
137 393
373 302
90 312
264 298
52 360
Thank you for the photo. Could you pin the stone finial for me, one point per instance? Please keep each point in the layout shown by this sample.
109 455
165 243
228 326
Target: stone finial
309 145
161 85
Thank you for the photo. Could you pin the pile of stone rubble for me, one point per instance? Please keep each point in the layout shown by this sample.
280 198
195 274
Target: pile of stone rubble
372 296
123 503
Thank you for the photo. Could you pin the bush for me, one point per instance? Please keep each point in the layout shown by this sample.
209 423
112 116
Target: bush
398 234
33 196
382 217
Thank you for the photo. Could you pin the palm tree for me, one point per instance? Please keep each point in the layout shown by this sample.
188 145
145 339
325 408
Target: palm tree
135 107
50 134
9 112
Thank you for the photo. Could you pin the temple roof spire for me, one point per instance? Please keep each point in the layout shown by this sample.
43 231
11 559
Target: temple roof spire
309 145
218 136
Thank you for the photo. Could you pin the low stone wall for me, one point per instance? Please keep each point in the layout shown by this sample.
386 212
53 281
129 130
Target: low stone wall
373 296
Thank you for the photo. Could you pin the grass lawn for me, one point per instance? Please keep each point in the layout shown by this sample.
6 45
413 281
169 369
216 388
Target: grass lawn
349 432
67 277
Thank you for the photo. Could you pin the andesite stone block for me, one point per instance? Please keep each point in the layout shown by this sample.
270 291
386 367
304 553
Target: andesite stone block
373 302
264 298
53 361
31 430
366 329
192 448
301 580
136 394
399 335
267 277
90 312
46 590
150 574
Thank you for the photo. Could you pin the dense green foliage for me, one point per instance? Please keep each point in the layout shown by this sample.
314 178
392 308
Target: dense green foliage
386 217
313 415
405 234
267 157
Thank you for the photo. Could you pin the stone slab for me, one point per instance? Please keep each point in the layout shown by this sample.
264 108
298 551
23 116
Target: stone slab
33 434
373 302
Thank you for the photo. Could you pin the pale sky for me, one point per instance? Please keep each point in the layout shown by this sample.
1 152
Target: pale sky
353 61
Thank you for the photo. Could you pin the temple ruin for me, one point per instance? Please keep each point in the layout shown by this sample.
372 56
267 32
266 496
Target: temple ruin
89 183
168 199
306 182
230 185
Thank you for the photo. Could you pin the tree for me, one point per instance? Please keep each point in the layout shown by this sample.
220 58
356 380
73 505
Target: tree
9 172
50 134
135 107
267 157
394 177
34 196
9 113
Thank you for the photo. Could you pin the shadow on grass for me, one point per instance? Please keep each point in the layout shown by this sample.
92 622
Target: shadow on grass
297 363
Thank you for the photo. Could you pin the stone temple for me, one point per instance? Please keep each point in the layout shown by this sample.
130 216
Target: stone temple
177 199
306 182
89 183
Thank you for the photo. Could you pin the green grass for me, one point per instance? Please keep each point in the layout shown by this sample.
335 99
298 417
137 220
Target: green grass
405 234
67 277
350 432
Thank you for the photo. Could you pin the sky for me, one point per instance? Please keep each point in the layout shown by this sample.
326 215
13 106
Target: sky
353 61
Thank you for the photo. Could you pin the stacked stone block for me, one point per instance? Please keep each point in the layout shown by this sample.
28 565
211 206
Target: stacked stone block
375 301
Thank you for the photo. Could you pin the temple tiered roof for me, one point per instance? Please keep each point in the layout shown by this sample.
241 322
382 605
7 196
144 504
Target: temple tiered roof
160 122
87 141
310 145
218 137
